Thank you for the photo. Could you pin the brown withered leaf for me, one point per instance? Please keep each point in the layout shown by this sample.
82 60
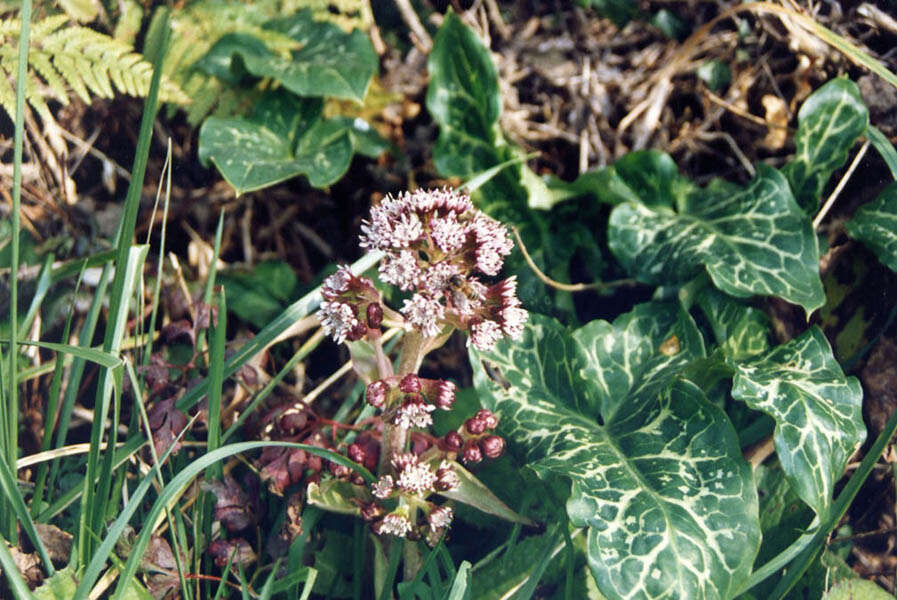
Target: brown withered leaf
221 551
233 506
166 423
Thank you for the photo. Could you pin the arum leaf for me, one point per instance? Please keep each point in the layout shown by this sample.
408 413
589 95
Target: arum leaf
284 137
328 61
637 352
660 485
751 241
829 122
875 224
463 98
817 410
740 330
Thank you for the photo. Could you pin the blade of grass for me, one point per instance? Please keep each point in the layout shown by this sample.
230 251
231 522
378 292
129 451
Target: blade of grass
77 370
37 499
95 502
460 583
11 570
174 488
310 517
10 421
216 379
96 498
157 288
141 408
40 291
884 147
20 511
395 553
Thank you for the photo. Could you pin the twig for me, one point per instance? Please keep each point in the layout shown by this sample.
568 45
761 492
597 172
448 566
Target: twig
419 34
760 451
742 113
568 287
838 188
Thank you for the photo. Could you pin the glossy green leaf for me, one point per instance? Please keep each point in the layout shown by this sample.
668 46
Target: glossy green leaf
875 224
752 241
742 331
285 137
328 61
829 122
633 356
463 98
817 410
669 502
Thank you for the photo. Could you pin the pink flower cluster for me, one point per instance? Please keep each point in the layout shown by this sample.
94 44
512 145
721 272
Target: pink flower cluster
418 479
435 243
351 306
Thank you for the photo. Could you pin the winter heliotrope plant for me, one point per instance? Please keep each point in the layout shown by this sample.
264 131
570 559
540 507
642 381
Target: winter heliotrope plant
443 254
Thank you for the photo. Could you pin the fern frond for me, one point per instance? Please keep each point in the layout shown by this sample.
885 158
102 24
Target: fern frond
65 60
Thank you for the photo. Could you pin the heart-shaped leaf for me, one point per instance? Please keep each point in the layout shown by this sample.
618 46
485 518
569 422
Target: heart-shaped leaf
817 410
875 224
829 122
284 137
328 61
751 241
661 485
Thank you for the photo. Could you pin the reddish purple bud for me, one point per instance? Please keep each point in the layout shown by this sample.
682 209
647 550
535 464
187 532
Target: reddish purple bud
410 384
356 478
486 416
492 446
356 453
315 463
357 332
376 393
453 441
374 316
475 426
445 395
239 549
472 453
293 421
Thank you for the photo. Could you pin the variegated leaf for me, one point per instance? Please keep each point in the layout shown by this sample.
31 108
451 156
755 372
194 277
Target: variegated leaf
634 355
751 241
669 502
740 330
285 137
829 122
875 224
817 410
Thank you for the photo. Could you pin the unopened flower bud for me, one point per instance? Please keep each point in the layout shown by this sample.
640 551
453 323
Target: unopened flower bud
374 316
488 417
356 478
475 426
453 441
376 393
357 332
492 446
410 384
472 453
356 453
